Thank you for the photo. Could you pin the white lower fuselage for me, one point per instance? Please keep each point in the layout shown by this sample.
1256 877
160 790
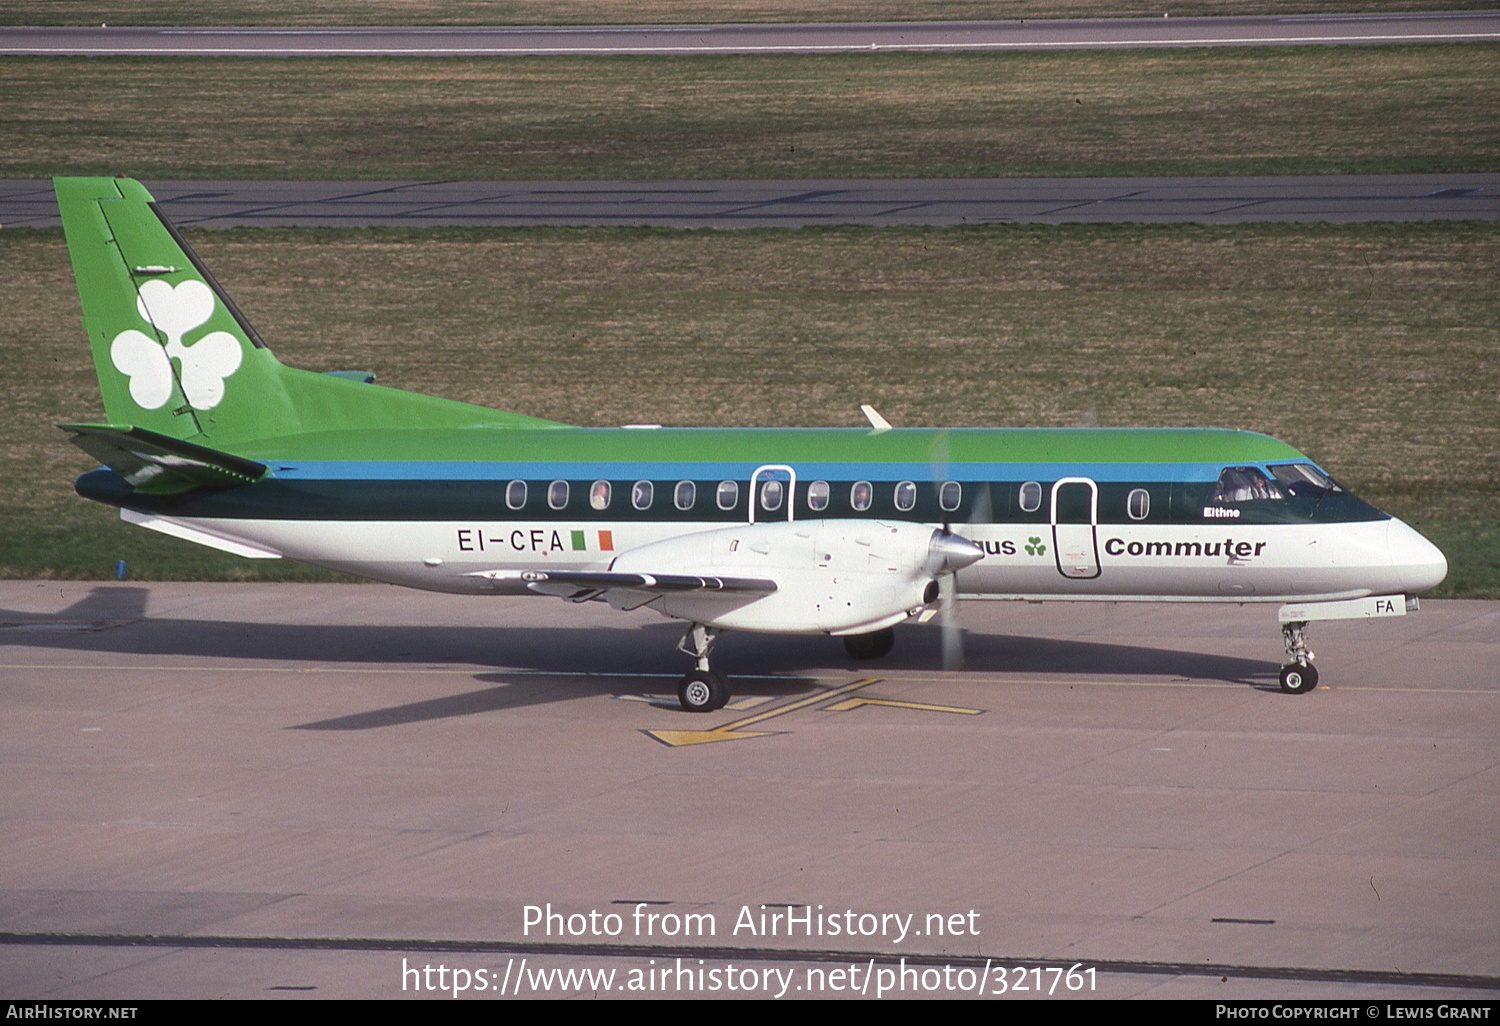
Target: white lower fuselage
1160 563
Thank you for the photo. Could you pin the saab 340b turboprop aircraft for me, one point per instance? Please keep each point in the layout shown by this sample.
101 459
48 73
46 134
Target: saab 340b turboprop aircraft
806 531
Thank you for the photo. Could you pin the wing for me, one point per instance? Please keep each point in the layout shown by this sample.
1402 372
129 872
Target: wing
583 585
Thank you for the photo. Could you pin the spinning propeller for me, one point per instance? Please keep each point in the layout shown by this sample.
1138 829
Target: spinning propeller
958 553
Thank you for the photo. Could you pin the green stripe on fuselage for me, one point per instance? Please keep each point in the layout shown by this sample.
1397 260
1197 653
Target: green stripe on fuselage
926 446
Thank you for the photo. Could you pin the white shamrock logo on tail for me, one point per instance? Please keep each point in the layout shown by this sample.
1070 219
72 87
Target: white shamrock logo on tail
204 365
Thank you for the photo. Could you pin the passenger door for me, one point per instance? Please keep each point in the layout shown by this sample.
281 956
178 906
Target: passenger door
1075 520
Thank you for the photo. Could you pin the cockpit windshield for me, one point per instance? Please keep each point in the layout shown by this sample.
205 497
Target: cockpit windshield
1245 484
1284 493
1304 479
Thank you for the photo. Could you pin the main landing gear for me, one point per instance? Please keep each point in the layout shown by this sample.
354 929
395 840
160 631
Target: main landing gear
1298 676
704 689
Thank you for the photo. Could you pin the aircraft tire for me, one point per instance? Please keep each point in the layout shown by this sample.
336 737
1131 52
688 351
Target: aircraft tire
870 646
1298 678
703 691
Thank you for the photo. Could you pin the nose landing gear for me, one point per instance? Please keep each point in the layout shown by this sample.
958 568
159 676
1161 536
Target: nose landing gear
1298 676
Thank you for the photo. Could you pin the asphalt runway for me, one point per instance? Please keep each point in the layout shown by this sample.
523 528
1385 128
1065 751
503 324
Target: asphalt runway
301 790
743 39
744 204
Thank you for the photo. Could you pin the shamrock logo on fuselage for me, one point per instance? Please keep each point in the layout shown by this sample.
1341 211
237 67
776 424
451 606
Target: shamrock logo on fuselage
203 366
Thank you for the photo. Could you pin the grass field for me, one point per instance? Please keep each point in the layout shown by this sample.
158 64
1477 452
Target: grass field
1371 347
1248 111
618 12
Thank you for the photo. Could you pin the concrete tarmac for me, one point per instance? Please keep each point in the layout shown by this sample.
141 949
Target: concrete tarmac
747 204
302 790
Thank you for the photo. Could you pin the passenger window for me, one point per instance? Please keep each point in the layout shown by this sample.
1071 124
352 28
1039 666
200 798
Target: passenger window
557 494
817 496
1138 504
640 494
861 495
770 495
515 494
906 496
599 495
685 494
1031 497
950 495
1245 484
729 494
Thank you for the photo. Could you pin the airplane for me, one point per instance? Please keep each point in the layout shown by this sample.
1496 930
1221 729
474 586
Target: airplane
845 532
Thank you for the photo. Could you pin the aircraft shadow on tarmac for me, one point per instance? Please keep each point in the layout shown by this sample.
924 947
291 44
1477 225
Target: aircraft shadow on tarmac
587 651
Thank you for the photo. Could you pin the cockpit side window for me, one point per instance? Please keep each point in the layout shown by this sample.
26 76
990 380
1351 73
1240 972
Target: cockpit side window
1304 479
1245 484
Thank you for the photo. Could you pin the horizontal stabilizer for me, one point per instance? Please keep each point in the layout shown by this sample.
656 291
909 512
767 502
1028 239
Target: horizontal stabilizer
156 464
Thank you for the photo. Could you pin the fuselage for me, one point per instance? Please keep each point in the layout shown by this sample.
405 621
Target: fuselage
1150 514
845 532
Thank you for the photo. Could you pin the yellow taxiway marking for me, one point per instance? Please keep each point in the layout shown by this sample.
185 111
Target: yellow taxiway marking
731 731
855 703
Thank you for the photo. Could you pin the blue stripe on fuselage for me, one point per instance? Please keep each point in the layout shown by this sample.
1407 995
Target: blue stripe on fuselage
436 470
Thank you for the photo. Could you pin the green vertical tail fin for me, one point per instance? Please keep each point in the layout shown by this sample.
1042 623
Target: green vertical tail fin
175 356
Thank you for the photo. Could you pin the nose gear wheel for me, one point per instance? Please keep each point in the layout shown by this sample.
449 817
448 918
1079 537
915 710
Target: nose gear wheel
1298 676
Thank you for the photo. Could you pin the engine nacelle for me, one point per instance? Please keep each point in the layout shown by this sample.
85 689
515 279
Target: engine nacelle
832 576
